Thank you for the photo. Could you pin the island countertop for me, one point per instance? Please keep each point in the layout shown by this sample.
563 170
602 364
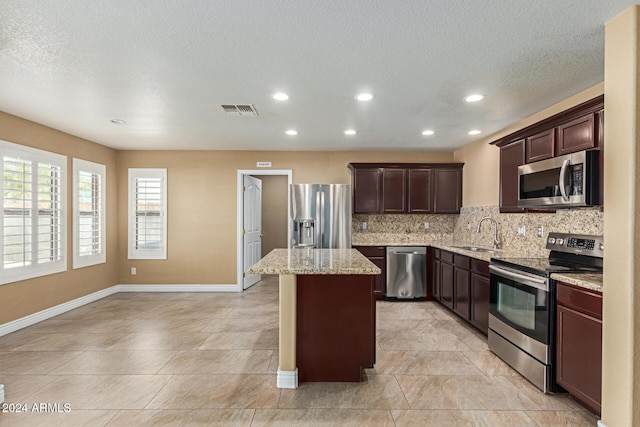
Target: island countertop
314 261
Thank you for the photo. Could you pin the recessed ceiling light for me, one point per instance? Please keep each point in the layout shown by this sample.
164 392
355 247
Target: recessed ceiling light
427 132
475 132
291 132
280 96
118 122
364 97
474 97
350 132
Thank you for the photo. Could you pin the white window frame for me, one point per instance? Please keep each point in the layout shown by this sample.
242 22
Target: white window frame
133 251
35 269
99 170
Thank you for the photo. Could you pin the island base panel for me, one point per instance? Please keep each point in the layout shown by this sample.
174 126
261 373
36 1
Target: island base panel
335 327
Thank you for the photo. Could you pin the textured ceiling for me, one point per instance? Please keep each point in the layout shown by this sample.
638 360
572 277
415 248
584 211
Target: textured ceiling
165 66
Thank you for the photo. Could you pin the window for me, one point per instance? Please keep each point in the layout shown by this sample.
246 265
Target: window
33 213
89 224
147 214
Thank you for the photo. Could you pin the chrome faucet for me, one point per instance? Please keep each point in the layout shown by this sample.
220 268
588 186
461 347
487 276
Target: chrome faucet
496 241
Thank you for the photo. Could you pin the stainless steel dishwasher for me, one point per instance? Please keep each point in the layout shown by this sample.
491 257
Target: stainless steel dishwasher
406 272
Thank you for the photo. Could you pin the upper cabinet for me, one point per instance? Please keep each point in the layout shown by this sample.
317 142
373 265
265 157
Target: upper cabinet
511 156
540 146
576 129
406 187
577 135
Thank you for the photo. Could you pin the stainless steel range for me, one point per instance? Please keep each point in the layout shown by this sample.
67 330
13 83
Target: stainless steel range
522 303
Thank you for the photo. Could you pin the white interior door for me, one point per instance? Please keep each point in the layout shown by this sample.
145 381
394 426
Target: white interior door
252 227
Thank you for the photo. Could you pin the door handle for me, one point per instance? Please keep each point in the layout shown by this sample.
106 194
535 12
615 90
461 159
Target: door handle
261 235
563 179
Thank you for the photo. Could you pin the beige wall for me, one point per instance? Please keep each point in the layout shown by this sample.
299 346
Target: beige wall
481 173
201 216
621 303
20 299
274 212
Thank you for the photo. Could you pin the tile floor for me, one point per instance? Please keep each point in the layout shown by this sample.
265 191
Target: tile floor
210 359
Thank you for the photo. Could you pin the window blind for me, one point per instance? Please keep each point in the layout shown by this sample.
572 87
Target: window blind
147 214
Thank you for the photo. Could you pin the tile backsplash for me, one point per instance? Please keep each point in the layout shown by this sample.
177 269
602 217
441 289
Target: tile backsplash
462 228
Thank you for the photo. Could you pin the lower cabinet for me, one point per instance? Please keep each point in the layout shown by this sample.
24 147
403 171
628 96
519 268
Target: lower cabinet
461 283
479 316
579 344
377 255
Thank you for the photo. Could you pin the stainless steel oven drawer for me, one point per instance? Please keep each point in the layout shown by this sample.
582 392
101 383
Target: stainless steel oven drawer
529 367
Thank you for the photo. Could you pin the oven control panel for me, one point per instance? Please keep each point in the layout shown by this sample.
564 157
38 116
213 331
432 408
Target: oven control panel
576 244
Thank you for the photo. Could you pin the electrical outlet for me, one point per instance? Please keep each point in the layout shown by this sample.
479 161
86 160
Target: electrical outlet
540 231
133 271
426 225
522 230
364 225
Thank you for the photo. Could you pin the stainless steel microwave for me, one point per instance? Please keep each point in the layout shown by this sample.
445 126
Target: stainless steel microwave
561 182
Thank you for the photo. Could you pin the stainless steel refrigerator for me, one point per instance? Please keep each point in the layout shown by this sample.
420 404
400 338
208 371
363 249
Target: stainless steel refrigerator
320 216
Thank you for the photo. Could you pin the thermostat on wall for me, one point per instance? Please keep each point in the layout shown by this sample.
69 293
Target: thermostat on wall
263 164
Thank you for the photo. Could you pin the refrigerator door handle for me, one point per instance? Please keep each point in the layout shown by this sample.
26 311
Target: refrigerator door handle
318 220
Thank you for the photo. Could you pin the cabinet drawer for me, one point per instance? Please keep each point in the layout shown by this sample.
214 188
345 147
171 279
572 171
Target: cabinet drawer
372 251
446 257
479 266
582 300
461 261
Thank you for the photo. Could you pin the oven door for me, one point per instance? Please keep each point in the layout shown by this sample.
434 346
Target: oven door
522 301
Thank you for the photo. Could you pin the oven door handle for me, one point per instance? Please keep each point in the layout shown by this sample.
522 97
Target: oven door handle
536 282
563 179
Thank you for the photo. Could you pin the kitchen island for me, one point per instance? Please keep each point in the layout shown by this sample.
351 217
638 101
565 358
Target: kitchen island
327 313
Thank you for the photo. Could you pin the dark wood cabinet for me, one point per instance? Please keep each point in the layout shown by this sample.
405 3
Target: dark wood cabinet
406 188
577 135
447 278
479 316
579 344
540 146
368 183
419 188
511 156
377 255
435 275
576 129
462 293
461 283
447 194
394 190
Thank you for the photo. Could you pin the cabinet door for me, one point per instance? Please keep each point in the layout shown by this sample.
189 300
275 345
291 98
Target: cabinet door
462 293
447 190
446 284
436 281
579 356
577 135
380 284
419 182
480 302
394 190
540 146
511 156
367 190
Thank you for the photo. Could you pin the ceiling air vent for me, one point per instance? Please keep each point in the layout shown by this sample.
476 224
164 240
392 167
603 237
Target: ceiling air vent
239 110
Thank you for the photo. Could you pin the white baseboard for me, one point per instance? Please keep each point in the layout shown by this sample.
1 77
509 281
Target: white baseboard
287 379
1 393
601 424
177 288
48 313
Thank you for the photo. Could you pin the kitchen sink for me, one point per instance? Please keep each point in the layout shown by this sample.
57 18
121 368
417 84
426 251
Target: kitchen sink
474 248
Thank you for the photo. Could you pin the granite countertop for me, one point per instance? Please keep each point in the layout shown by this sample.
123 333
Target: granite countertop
588 281
314 261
